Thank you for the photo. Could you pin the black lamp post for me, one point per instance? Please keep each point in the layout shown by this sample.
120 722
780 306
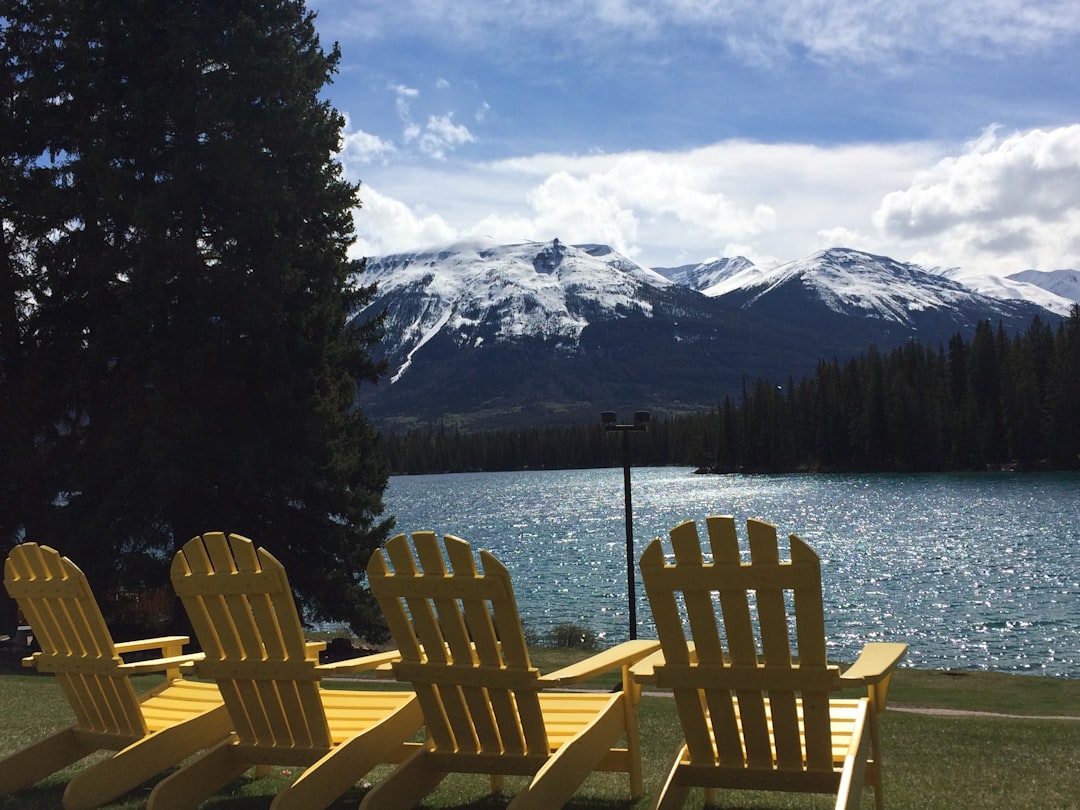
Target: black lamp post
610 423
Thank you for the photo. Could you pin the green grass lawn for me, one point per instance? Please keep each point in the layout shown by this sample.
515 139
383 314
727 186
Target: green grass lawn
931 760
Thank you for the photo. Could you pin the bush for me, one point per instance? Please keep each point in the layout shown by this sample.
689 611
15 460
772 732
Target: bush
573 636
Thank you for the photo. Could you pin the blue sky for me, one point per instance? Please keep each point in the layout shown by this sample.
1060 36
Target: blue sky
945 132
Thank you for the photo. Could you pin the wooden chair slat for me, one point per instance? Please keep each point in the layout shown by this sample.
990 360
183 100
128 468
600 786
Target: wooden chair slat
240 604
752 685
464 651
76 645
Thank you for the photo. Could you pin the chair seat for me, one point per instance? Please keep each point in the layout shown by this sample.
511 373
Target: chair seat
177 701
347 716
567 713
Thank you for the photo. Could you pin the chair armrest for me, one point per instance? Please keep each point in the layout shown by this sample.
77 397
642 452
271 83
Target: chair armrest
618 656
874 668
876 661
169 645
163 664
170 657
644 671
378 661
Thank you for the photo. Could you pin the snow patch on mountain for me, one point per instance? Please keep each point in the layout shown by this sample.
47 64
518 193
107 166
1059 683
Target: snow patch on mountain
478 290
479 293
1023 286
707 274
1063 283
612 258
422 337
849 281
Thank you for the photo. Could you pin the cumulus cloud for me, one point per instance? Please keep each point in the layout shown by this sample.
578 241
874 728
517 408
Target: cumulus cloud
583 210
1001 203
1013 195
767 200
359 147
440 135
385 225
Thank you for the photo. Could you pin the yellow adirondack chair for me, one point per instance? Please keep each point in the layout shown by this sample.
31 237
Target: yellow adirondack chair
244 616
754 714
150 733
487 711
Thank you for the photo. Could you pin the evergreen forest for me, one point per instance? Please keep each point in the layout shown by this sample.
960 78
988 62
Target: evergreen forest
987 401
174 276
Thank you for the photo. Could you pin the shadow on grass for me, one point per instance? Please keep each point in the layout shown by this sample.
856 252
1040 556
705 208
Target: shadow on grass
501 800
41 795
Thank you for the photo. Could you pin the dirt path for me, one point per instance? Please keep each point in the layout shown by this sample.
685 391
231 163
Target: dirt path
971 713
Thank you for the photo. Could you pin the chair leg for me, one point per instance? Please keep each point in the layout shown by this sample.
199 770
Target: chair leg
129 768
410 782
631 699
566 769
873 767
672 795
38 760
184 789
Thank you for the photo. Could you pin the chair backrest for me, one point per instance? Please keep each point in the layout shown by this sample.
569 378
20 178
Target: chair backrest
462 646
743 678
244 616
75 642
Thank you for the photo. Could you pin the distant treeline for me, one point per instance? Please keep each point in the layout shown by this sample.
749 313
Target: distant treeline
990 402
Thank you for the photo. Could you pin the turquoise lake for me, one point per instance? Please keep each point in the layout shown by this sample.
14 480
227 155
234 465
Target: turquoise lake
973 571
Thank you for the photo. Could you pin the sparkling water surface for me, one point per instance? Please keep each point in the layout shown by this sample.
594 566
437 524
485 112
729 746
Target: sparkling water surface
973 571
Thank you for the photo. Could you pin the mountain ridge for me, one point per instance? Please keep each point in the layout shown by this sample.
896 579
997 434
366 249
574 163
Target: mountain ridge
483 334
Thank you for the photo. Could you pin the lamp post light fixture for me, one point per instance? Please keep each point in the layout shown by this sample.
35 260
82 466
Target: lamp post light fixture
639 425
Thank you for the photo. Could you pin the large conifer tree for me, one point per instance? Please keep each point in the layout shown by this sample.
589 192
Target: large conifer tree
175 294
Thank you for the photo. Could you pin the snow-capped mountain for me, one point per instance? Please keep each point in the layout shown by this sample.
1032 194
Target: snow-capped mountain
1056 290
862 285
1062 283
487 335
707 274
480 291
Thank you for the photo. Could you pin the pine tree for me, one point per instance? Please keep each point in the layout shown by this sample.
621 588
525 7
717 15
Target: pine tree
184 219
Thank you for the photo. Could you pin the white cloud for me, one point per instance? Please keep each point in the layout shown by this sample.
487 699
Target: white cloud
441 134
844 237
861 31
770 199
870 31
359 147
578 209
1001 199
997 204
404 97
385 225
